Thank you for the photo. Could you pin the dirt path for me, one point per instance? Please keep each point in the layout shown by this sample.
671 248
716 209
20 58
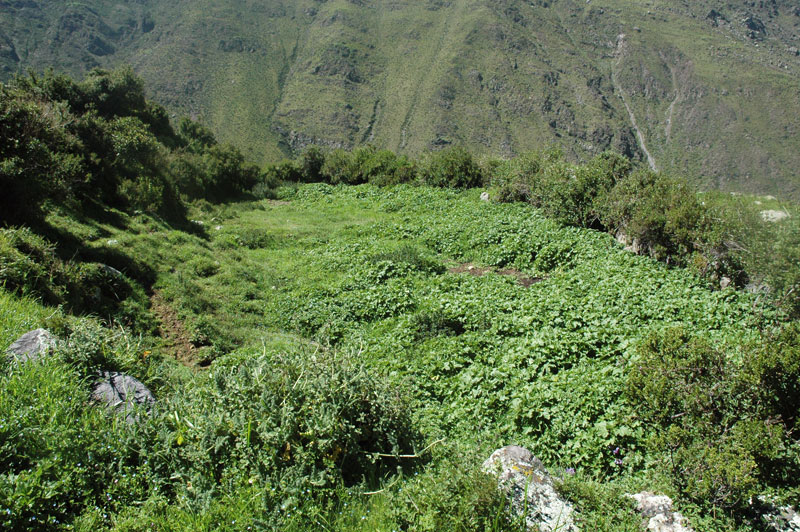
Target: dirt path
639 135
177 340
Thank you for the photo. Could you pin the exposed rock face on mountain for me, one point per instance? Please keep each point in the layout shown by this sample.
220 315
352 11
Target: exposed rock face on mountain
708 88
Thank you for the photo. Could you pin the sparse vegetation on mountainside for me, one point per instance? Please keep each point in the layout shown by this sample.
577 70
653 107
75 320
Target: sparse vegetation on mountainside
339 340
707 88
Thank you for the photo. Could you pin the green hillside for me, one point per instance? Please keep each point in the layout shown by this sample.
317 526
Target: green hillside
710 85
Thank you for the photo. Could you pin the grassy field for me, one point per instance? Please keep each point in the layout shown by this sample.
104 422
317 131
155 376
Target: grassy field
309 340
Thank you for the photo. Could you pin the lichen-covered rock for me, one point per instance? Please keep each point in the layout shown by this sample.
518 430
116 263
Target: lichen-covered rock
31 346
657 510
523 477
122 393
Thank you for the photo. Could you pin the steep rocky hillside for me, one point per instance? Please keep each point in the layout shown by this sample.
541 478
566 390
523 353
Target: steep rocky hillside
708 88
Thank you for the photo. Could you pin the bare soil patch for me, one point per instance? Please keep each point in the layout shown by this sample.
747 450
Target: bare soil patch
478 271
177 340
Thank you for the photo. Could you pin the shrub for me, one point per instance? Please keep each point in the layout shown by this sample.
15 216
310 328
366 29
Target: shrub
367 164
662 213
572 194
196 137
310 164
452 167
228 173
38 157
297 420
337 168
391 169
726 426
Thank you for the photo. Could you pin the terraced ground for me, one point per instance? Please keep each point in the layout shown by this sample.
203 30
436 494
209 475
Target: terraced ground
334 329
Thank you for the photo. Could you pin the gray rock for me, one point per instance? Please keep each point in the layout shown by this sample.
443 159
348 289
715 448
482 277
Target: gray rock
773 216
110 271
484 196
657 510
777 518
631 245
31 346
122 393
785 519
523 477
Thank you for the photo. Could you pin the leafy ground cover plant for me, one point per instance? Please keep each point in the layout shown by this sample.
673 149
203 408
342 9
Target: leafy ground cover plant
408 353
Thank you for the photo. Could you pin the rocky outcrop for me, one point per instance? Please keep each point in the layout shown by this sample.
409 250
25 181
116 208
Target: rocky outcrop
756 29
31 346
122 393
658 513
530 488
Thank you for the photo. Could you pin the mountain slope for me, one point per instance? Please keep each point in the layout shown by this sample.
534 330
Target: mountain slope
707 88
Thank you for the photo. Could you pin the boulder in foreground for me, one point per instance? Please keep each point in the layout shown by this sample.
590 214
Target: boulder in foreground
523 477
123 393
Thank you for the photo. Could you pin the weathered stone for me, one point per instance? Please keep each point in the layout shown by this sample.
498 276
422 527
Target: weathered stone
110 271
777 518
31 346
526 481
484 196
122 393
657 509
773 215
631 245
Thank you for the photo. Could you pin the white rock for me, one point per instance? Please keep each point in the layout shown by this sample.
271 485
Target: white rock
778 518
773 215
657 509
523 477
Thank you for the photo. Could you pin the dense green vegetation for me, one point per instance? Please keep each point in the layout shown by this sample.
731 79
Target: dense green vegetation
338 341
710 84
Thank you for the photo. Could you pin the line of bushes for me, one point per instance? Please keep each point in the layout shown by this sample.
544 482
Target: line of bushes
100 141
